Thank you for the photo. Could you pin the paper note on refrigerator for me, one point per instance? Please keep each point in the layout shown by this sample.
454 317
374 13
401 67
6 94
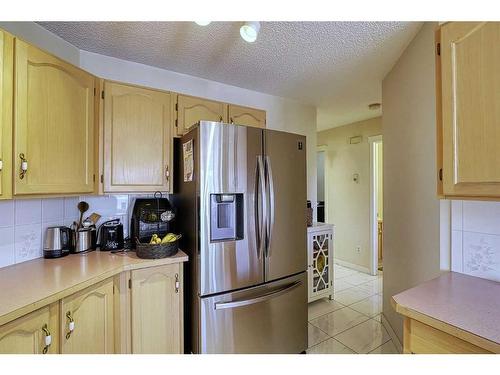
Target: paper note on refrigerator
187 152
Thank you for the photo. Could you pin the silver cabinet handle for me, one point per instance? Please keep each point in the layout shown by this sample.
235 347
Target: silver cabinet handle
270 221
1 165
251 301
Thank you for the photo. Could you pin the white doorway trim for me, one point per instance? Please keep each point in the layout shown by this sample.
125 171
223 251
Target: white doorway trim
373 204
324 148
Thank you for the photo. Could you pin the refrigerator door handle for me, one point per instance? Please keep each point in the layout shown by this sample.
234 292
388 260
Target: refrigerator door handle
262 298
270 221
260 196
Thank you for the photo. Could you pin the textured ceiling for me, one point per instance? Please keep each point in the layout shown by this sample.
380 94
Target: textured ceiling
336 66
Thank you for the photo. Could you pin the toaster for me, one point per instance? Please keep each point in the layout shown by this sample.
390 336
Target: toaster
58 242
111 235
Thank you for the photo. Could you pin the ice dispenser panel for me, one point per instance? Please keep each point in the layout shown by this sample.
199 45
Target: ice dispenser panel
226 217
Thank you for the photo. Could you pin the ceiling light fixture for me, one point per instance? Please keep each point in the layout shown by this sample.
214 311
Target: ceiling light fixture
249 31
203 23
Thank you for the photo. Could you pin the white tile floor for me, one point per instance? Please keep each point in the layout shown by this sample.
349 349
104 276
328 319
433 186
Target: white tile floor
351 322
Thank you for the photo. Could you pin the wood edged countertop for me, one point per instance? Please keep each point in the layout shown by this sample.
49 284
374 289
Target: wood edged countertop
464 306
27 286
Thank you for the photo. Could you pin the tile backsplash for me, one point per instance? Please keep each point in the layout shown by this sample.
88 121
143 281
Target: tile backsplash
23 221
475 239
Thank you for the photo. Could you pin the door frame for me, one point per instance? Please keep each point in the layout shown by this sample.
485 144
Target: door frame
373 204
322 148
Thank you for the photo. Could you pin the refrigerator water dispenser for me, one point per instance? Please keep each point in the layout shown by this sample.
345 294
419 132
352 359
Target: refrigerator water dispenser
226 217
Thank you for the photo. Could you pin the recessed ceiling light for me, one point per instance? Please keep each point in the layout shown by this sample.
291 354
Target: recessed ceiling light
374 106
250 30
203 23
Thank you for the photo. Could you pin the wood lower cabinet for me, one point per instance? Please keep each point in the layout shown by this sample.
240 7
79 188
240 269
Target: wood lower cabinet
468 96
137 138
53 124
156 301
91 312
6 96
246 116
420 338
28 334
191 110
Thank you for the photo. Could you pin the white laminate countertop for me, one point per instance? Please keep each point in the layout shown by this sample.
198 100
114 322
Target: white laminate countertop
24 286
466 302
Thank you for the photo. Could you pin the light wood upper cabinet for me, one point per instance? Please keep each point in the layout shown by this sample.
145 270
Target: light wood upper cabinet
53 124
191 110
469 93
137 138
157 312
6 82
246 116
91 311
28 334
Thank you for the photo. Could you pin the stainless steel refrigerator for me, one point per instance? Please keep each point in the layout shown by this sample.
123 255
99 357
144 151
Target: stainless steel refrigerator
240 196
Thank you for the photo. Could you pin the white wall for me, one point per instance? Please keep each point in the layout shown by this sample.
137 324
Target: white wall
23 222
348 202
411 207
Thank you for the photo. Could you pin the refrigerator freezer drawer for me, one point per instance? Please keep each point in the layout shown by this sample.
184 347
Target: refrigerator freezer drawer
270 318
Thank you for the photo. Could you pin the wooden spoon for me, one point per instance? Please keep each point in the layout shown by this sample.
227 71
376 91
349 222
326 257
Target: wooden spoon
82 207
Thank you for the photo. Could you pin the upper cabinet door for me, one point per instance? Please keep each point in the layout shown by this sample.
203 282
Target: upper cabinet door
53 124
470 85
137 138
247 116
191 110
6 82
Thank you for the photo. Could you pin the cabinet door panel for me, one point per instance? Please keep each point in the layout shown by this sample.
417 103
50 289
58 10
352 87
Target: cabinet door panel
25 335
6 80
191 110
157 310
137 135
92 312
470 57
247 116
54 124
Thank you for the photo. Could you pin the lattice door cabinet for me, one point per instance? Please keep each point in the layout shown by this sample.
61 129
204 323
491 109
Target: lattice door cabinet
320 261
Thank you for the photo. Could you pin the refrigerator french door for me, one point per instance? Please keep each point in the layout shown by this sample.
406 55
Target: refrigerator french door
247 238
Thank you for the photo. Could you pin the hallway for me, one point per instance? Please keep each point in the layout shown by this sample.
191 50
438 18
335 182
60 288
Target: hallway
351 323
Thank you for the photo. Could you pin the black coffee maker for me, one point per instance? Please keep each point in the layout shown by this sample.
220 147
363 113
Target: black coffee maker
111 235
151 216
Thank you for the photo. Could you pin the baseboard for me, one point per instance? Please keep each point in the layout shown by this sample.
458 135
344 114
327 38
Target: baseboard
352 265
392 334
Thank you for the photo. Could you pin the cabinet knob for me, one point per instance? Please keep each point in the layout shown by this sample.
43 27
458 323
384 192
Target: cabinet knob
24 166
71 325
48 339
1 165
177 283
220 118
